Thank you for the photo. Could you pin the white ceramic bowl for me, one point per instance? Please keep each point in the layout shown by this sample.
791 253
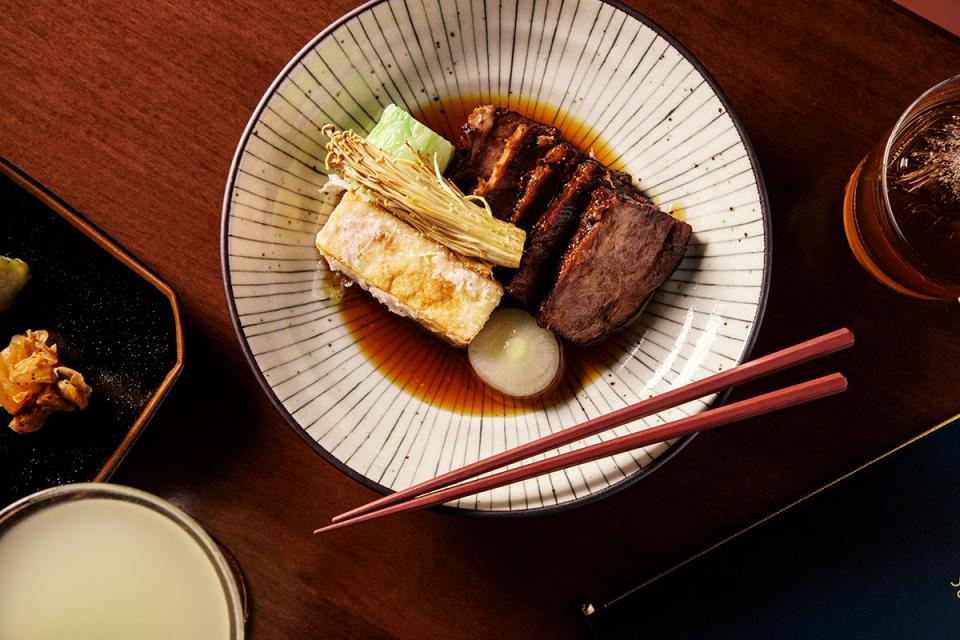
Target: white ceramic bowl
644 101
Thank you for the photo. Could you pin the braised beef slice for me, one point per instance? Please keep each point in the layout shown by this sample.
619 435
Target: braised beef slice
622 250
528 144
479 145
622 185
550 234
543 182
481 142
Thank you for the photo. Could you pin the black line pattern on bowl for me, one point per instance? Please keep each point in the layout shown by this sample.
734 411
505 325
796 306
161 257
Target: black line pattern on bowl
666 303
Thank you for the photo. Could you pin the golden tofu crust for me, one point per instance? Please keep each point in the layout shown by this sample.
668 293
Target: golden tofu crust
411 274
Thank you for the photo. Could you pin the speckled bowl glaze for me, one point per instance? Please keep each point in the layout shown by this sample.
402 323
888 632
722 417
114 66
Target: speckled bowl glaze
611 80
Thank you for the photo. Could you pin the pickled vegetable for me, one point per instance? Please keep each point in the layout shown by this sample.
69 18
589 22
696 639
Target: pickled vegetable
14 275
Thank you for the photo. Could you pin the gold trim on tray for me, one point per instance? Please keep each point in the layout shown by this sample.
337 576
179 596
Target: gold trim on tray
589 609
78 222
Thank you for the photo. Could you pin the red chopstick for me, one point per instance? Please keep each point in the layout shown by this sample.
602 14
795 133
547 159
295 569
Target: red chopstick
797 354
780 399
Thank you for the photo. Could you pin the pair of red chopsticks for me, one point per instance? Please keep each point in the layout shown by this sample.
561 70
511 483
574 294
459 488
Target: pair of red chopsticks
439 490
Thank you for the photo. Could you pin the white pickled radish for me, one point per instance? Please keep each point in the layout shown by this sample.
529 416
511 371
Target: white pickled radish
515 355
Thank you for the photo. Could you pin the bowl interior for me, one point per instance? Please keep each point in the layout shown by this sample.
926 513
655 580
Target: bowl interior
358 384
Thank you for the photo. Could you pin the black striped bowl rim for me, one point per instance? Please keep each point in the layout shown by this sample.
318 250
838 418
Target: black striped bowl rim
274 172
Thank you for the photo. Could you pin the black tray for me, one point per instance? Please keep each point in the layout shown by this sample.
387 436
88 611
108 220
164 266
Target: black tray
111 319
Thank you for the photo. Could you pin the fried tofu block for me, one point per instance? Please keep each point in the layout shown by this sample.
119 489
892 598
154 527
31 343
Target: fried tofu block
413 275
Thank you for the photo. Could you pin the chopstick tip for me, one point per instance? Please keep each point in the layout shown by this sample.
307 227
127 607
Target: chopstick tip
843 335
833 383
329 527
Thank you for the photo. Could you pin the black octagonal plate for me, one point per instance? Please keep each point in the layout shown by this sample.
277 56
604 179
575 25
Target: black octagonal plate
111 319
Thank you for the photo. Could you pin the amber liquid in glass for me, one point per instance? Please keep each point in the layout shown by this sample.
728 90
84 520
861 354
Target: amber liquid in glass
924 191
906 230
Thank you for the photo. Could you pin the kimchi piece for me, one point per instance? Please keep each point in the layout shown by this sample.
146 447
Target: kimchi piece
34 385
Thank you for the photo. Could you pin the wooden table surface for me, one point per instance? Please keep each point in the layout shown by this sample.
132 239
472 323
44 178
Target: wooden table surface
131 112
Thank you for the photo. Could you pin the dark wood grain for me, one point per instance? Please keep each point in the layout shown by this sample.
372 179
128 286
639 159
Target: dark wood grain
131 112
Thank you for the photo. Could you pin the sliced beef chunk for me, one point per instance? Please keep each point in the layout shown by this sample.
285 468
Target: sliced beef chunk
596 249
528 144
549 236
543 182
621 183
622 250
481 144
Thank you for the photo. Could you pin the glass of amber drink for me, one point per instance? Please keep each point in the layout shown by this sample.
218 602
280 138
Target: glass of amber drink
901 211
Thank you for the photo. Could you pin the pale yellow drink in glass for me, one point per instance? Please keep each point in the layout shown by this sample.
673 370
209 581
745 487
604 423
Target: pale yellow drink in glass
102 568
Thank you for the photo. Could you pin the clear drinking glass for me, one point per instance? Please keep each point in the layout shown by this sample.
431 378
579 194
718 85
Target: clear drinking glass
104 561
901 211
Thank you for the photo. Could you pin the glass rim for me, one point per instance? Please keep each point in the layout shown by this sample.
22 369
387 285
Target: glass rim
46 498
885 162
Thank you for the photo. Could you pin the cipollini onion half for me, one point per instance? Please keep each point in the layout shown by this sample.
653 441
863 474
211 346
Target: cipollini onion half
515 355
